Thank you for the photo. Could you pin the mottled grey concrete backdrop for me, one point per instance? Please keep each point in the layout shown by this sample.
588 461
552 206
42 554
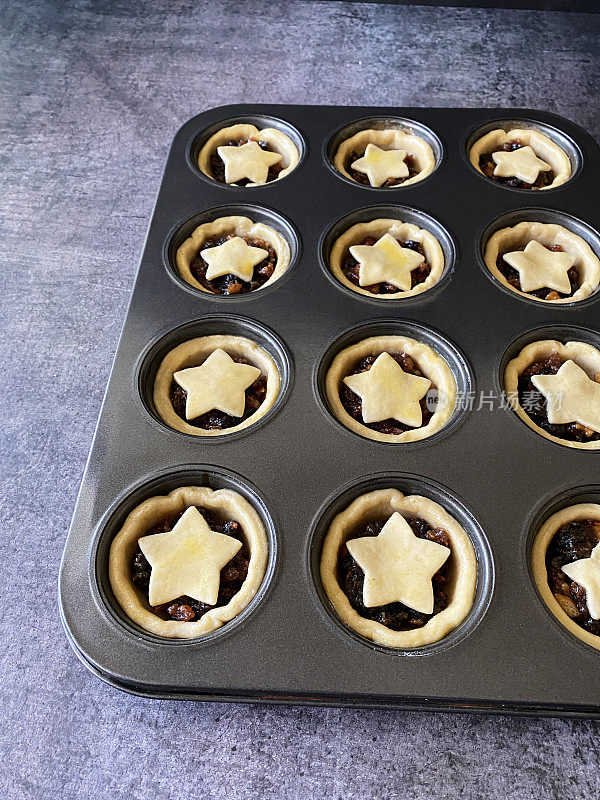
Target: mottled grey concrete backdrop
91 96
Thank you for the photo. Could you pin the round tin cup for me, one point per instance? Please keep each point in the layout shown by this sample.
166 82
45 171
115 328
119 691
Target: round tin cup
259 121
409 485
404 214
149 362
444 347
548 507
546 216
558 332
565 142
267 216
161 483
333 142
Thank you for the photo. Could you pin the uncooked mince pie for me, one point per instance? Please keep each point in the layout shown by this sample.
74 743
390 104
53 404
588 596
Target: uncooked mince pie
521 159
554 387
243 155
565 562
233 255
385 158
215 385
391 389
186 563
387 259
546 262
398 570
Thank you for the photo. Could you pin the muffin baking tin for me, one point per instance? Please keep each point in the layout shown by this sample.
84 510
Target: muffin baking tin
299 465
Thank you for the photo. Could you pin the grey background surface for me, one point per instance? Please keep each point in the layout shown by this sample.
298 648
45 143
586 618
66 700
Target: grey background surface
91 97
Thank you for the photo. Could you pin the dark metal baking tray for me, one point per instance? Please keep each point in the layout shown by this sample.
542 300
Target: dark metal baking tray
495 474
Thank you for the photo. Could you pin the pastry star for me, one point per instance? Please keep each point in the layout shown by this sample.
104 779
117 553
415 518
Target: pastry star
387 392
539 267
234 256
217 384
187 560
379 165
398 566
571 396
386 260
586 573
247 160
522 164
